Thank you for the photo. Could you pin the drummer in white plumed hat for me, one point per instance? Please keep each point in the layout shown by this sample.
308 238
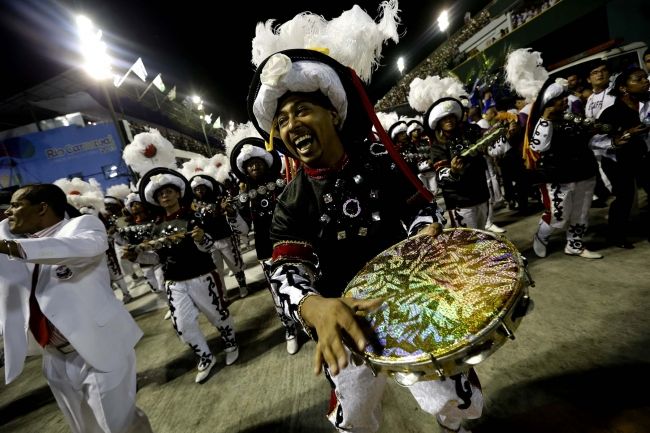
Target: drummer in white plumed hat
345 203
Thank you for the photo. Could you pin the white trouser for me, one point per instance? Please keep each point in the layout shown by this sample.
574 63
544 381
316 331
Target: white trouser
204 293
474 217
428 178
155 277
567 207
358 399
493 180
94 401
227 250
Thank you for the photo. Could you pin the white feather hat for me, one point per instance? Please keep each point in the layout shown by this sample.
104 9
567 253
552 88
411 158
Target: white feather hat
424 92
132 198
149 150
387 119
119 191
195 166
218 167
353 39
86 197
249 151
241 132
525 72
413 124
441 108
158 180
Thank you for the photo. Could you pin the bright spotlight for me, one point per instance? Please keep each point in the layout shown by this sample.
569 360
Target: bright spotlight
96 60
443 21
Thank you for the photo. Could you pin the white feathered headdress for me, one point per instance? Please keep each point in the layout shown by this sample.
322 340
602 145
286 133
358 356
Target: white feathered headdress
86 197
424 92
525 73
241 131
195 166
149 150
130 199
218 167
387 119
353 39
118 191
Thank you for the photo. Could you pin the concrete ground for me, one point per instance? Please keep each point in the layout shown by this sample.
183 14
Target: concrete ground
580 362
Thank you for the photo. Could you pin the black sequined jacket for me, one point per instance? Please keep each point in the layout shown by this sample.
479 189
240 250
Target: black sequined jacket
183 260
470 187
565 153
331 222
260 207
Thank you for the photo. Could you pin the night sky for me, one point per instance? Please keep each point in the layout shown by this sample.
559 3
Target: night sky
192 45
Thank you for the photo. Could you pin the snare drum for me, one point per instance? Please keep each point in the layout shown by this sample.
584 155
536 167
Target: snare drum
449 302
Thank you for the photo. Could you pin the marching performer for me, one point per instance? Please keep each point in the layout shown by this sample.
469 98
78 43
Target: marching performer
212 202
347 203
461 177
192 283
141 219
259 171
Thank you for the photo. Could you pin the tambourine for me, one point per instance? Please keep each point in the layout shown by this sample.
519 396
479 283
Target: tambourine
449 303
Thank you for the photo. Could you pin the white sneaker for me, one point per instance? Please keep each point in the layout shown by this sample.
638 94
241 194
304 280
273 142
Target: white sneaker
204 369
444 429
243 292
539 247
168 315
292 345
495 228
232 353
584 253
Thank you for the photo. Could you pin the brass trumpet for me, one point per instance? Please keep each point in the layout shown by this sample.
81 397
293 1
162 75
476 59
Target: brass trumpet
492 136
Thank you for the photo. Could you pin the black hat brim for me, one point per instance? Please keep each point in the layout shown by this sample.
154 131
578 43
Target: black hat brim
187 197
275 168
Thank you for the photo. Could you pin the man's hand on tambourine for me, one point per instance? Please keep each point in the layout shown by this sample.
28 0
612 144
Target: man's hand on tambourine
335 319
433 230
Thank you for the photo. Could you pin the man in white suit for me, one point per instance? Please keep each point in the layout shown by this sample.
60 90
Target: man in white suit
54 281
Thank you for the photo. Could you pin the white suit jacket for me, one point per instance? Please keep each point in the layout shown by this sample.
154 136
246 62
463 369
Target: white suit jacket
73 292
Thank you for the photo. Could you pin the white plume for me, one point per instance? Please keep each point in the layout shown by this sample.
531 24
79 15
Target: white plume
149 150
241 131
562 82
387 119
424 92
118 191
525 72
354 39
83 195
195 166
218 167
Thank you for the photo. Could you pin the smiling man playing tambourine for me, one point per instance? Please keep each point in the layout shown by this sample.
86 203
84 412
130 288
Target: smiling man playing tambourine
347 203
